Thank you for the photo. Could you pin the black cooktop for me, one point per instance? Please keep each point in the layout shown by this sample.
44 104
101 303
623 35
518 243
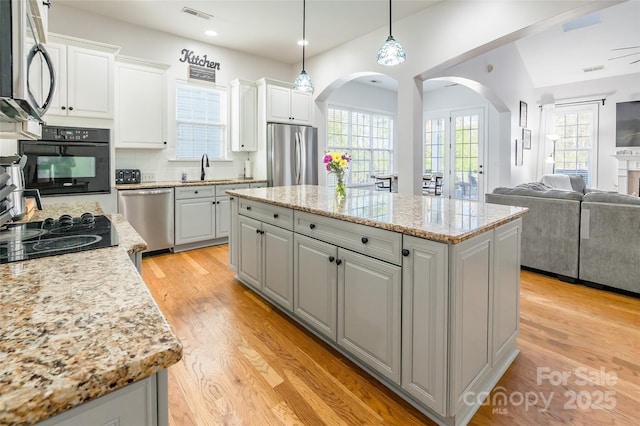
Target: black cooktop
50 237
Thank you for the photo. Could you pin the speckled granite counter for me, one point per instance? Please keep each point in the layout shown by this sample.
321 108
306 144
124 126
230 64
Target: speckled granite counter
433 218
75 327
175 184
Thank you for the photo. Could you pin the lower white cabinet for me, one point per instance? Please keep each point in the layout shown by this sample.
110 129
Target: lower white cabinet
134 405
223 218
424 321
369 311
195 220
265 259
234 246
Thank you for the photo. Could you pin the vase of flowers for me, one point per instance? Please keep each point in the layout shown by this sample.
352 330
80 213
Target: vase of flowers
337 163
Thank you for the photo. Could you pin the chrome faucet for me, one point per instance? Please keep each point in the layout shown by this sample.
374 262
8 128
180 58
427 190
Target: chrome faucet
203 165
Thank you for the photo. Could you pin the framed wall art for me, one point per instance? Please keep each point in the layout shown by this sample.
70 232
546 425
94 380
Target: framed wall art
519 153
523 114
526 138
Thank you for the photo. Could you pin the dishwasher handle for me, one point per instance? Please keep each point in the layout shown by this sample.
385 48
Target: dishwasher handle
126 193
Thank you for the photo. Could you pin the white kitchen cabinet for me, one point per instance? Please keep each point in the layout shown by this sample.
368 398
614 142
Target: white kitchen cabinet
265 259
195 220
244 115
134 405
141 104
282 104
85 77
424 321
369 311
315 284
234 247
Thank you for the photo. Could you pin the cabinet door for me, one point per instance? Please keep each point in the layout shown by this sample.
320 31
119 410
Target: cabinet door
234 244
89 83
315 284
301 107
195 220
58 54
369 311
470 320
223 218
244 116
278 104
250 253
277 246
140 106
424 321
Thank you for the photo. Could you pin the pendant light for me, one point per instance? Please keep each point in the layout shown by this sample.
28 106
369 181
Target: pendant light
391 53
303 83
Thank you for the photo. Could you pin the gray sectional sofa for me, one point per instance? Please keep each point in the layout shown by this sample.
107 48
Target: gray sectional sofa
586 235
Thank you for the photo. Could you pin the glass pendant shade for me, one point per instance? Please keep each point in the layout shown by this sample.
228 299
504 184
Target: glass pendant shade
303 82
391 53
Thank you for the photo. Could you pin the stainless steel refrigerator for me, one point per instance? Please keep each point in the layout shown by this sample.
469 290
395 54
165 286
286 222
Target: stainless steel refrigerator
292 155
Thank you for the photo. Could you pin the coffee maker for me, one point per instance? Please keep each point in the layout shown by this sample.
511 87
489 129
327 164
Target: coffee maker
14 166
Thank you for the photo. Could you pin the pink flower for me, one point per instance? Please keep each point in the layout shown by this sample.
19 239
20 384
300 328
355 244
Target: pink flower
327 158
328 168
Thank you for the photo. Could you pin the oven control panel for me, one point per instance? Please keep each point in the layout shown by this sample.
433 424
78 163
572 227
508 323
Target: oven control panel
75 134
124 176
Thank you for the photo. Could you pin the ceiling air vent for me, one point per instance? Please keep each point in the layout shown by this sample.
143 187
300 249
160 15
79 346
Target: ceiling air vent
197 13
591 69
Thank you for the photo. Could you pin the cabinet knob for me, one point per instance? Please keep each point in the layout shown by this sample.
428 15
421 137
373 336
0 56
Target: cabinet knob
47 3
275 215
406 252
364 240
331 259
70 108
165 142
338 261
63 107
257 231
195 192
248 207
312 225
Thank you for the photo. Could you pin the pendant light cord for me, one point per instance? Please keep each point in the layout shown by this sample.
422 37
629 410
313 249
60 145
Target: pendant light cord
390 33
304 23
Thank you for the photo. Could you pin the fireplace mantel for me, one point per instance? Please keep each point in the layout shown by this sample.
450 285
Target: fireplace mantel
626 163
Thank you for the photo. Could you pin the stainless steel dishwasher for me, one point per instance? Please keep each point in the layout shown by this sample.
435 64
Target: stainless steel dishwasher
150 212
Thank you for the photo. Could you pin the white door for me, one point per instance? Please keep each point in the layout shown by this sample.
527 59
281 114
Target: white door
464 179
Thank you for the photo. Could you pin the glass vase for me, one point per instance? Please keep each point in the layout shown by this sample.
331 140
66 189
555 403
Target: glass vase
340 188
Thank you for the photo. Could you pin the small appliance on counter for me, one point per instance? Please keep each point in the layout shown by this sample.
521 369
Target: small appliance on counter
14 166
6 203
128 176
67 234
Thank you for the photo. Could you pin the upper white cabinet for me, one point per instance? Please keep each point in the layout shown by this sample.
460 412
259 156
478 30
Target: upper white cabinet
141 103
244 116
84 74
283 104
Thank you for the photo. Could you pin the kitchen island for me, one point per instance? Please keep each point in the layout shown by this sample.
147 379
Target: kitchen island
81 339
421 292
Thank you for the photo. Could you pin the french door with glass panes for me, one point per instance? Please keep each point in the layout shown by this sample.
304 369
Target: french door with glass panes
454 144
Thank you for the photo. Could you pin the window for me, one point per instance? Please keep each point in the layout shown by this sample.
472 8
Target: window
200 122
367 136
434 141
574 151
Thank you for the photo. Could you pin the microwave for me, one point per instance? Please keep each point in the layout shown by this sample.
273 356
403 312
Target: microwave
27 78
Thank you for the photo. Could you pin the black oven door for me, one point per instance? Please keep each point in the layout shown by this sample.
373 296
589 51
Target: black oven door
63 168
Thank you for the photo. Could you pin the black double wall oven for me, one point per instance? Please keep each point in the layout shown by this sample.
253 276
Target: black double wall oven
68 160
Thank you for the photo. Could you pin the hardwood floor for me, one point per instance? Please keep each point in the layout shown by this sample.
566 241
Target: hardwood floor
247 364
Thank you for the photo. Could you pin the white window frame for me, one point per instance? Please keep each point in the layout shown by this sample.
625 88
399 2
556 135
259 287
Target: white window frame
350 147
594 109
222 125
431 116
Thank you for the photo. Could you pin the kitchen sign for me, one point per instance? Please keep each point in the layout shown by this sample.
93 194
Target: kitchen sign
200 67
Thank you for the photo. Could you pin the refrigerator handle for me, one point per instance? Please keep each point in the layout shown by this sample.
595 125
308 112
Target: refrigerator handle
298 158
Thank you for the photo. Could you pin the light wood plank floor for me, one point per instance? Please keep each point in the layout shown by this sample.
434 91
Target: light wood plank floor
246 364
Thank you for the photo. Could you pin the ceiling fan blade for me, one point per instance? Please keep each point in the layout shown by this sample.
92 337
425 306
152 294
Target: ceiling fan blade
624 56
624 48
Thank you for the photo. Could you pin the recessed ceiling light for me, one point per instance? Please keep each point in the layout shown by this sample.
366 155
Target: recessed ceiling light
211 33
302 42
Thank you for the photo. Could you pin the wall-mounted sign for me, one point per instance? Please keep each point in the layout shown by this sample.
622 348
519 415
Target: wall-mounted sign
201 73
189 57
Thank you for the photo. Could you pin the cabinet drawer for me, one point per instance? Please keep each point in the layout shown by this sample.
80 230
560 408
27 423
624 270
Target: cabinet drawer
379 243
186 192
275 215
221 188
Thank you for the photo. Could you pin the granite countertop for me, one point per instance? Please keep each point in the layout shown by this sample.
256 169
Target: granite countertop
173 184
77 326
434 218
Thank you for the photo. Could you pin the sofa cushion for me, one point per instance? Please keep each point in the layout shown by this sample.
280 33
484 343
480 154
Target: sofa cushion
612 198
577 183
551 193
558 181
536 186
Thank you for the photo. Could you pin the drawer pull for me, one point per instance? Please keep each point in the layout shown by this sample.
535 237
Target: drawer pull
275 215
195 192
338 261
248 207
406 252
331 259
312 226
364 240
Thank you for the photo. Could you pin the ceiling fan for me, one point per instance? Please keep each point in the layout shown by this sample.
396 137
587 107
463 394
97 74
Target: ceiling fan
630 54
